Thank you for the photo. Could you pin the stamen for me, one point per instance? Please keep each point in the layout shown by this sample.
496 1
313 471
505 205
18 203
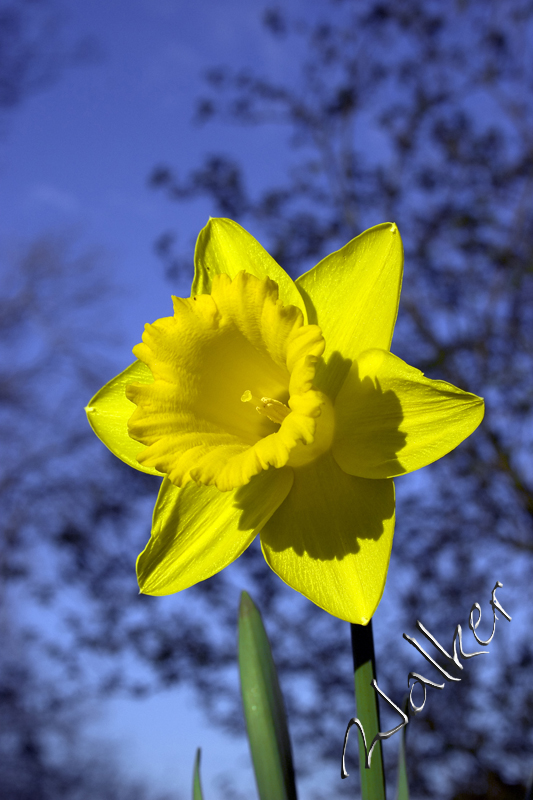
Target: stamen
268 407
274 410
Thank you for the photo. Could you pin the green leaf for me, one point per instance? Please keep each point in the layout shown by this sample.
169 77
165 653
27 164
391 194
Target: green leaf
196 785
264 709
403 784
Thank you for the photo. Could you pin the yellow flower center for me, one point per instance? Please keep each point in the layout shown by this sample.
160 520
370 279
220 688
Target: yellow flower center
273 409
303 454
233 387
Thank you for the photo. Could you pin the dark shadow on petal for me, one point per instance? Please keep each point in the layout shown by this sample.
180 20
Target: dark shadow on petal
331 374
369 405
312 316
328 512
258 499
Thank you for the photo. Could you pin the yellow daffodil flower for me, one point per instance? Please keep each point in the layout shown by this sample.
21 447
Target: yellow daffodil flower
275 407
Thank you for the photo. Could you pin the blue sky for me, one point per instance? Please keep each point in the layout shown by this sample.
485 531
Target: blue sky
76 157
78 154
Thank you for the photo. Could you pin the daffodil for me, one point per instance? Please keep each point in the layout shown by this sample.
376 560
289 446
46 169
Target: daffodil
276 408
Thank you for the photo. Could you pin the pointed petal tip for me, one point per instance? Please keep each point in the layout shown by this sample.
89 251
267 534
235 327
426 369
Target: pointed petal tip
224 246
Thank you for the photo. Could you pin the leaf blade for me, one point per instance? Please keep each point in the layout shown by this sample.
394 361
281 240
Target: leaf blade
264 708
196 785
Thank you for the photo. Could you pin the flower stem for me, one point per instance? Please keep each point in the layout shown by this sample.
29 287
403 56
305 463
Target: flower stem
364 660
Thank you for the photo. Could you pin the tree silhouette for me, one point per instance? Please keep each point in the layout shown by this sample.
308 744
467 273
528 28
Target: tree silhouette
34 49
420 113
417 112
55 491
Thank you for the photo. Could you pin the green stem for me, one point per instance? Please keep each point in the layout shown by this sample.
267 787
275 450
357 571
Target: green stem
366 699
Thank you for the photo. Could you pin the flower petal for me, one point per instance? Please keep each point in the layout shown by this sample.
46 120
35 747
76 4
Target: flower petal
197 530
353 294
108 413
223 246
391 419
331 539
237 342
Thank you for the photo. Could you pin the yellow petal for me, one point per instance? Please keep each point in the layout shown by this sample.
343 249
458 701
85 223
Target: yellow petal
238 342
108 413
197 530
391 419
353 294
331 539
223 246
